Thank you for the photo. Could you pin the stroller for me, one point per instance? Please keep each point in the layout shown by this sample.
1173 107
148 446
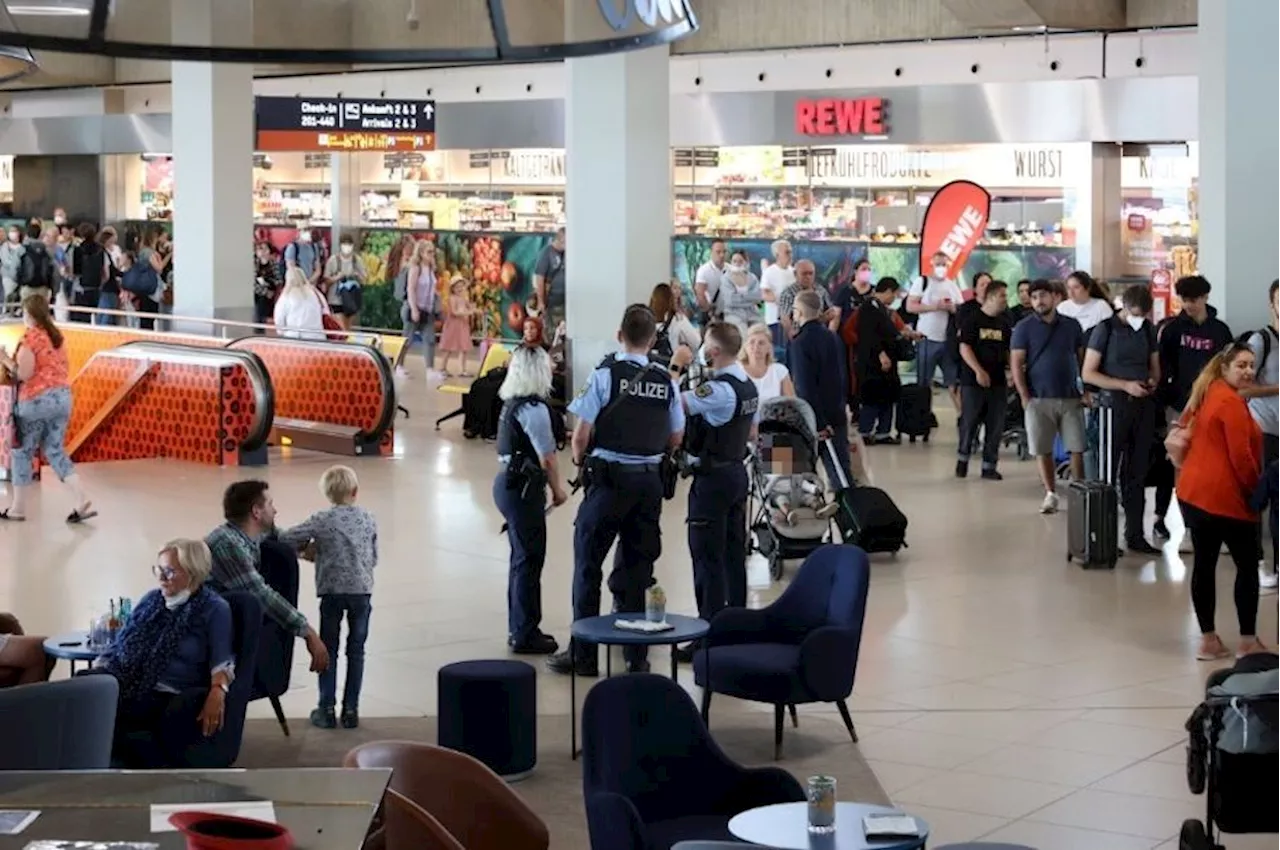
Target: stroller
1015 426
789 511
1232 753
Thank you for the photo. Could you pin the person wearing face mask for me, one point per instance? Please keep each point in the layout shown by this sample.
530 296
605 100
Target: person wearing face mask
1122 359
850 297
304 254
740 296
935 300
173 658
344 277
707 282
11 253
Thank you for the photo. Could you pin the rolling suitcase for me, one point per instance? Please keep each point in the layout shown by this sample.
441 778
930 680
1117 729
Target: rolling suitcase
915 412
866 516
1093 509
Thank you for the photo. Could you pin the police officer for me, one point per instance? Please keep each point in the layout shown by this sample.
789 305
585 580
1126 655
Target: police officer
722 416
629 415
527 467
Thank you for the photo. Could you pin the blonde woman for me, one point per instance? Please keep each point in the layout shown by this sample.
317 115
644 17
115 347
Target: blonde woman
773 283
177 642
418 313
771 379
300 309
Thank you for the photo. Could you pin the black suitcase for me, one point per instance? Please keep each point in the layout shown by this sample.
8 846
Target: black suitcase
1093 510
867 517
915 412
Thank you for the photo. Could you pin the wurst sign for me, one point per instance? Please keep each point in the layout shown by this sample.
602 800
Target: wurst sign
954 222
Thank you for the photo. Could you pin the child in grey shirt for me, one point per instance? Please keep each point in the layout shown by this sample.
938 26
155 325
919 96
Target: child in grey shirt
343 542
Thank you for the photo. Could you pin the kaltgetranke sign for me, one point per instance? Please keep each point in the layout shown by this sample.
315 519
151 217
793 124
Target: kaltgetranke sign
344 124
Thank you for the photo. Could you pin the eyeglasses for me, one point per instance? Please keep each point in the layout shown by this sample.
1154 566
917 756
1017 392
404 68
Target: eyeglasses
164 573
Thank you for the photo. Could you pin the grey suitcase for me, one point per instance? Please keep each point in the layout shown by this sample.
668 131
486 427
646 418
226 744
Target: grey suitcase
1093 510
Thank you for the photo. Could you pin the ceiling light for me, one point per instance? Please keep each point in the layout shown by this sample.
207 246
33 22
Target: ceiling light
1038 28
48 10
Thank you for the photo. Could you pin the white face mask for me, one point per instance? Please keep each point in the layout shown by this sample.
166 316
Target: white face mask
304 236
1135 322
939 272
177 599
739 267
347 249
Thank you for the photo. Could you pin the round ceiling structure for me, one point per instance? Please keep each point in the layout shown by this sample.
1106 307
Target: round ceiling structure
311 32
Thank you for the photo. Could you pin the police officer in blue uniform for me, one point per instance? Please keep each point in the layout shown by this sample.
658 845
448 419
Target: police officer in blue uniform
527 469
723 413
629 415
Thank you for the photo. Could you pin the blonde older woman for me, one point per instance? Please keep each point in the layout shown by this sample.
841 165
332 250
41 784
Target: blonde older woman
771 379
773 283
176 647
300 308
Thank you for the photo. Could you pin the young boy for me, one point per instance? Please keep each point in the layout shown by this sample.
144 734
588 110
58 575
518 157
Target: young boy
343 542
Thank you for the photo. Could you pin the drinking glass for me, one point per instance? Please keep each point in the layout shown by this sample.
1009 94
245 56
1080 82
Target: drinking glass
822 804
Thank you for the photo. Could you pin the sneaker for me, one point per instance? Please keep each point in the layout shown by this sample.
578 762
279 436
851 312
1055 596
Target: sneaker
889 439
828 510
962 469
324 718
402 372
637 666
1050 503
992 475
350 718
1267 580
1140 546
564 664
1160 530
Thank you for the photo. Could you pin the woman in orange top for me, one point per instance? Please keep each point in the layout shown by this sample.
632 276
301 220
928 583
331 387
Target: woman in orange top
1221 470
44 407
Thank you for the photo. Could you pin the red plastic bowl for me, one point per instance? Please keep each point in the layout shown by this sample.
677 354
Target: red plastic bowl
208 831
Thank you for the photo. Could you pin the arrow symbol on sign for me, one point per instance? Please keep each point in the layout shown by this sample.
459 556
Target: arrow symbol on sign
429 110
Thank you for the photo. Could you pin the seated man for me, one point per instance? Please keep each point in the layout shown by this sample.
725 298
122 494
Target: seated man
22 657
250 515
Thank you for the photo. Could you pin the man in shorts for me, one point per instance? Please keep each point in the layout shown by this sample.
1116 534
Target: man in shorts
1047 349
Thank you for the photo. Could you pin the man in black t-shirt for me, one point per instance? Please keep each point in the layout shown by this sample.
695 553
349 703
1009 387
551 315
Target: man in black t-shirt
984 355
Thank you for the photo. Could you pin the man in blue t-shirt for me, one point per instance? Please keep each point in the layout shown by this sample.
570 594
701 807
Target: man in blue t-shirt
1047 348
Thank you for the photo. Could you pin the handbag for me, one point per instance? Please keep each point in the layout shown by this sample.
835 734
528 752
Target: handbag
1178 442
328 322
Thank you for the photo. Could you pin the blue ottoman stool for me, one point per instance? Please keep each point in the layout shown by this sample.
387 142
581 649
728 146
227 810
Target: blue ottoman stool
489 710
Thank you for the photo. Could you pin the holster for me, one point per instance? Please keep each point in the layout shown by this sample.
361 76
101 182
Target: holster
669 472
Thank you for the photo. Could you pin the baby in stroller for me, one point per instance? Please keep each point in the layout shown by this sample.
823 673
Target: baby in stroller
785 463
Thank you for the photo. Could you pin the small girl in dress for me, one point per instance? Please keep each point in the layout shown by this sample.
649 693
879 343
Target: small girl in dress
455 336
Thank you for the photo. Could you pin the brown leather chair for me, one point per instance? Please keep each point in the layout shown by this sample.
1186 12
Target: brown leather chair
466 797
407 827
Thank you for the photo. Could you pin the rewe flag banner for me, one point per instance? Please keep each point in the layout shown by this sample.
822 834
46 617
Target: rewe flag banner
954 222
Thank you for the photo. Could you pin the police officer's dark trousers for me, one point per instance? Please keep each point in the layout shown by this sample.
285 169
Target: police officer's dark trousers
1133 426
622 503
718 538
524 509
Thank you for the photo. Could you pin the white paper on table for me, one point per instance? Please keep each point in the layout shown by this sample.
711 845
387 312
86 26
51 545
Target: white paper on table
263 810
13 822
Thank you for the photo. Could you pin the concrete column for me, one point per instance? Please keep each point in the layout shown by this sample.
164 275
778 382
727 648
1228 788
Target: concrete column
1239 156
344 174
618 194
213 143
1100 251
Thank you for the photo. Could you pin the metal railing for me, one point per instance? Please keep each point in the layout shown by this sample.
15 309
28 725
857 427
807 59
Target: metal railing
222 327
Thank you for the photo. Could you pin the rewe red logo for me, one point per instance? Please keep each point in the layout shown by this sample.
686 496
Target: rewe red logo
863 116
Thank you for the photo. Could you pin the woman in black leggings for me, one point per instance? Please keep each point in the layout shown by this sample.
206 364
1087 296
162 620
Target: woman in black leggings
1219 474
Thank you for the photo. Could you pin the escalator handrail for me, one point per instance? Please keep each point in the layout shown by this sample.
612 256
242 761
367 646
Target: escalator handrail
259 377
387 416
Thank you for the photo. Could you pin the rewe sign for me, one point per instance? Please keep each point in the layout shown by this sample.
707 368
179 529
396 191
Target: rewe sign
862 116
953 224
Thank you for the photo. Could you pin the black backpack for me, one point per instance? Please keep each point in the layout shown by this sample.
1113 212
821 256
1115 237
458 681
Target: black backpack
662 348
482 407
35 270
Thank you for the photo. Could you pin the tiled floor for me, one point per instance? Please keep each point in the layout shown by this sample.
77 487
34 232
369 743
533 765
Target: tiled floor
1000 692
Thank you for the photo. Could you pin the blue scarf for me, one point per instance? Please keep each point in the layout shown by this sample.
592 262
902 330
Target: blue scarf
142 649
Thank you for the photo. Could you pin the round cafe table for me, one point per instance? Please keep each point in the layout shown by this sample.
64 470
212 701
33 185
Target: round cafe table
73 646
602 632
785 826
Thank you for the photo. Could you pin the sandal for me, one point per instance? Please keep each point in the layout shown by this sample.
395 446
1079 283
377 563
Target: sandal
1215 652
5 516
81 514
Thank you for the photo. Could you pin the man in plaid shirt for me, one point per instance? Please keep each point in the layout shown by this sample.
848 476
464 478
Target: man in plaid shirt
250 514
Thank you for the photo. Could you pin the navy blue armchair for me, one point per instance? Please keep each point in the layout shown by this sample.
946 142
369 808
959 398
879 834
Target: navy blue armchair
278 565
801 649
64 725
651 774
179 742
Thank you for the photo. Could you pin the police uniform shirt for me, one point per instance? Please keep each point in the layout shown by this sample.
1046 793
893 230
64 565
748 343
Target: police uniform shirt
535 421
596 394
715 401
